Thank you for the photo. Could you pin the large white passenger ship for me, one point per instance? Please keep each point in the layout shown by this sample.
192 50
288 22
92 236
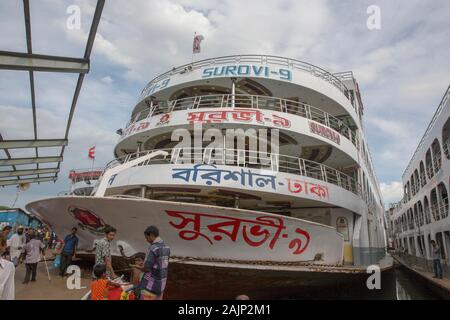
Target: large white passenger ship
314 201
422 214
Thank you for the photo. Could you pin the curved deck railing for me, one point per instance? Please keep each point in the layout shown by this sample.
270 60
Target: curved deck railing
278 163
248 102
436 115
253 58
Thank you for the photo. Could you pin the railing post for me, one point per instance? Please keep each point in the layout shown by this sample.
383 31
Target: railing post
324 172
327 119
274 162
175 155
283 105
207 153
233 92
300 166
307 111
152 109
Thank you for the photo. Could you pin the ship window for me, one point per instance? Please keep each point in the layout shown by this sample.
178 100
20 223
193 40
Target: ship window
443 200
437 157
434 205
423 179
427 211
342 227
419 242
440 242
411 219
416 216
429 164
416 180
412 246
409 190
413 185
446 138
420 213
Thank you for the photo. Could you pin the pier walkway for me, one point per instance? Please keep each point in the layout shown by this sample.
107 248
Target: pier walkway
442 285
43 289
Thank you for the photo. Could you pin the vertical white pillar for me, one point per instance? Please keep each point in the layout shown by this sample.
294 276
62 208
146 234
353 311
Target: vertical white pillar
233 91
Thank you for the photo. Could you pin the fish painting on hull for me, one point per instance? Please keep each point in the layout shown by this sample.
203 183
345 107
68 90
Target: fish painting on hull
87 220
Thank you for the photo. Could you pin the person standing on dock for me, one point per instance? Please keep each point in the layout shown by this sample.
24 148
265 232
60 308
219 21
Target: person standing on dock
155 268
437 267
68 251
15 245
32 252
4 233
103 251
7 272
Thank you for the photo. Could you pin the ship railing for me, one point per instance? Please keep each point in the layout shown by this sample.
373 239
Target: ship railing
436 115
440 209
125 196
288 63
248 102
250 159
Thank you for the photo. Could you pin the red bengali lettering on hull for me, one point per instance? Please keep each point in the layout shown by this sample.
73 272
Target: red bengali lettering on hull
237 114
255 232
325 132
301 186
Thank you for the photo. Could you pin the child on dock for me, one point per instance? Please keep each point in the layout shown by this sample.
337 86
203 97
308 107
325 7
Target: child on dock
101 286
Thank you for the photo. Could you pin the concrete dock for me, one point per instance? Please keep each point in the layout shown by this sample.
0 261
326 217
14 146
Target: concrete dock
45 289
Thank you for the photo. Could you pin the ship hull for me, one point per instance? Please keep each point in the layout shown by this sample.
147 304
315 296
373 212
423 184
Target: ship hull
217 253
192 230
204 280
191 279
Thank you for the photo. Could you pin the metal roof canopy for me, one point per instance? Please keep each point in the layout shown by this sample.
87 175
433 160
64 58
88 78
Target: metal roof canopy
42 63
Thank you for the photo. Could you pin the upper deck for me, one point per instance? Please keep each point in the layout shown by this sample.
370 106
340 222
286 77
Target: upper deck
263 75
430 134
318 113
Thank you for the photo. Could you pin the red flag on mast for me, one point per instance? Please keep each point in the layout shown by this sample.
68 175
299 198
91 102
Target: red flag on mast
196 45
91 153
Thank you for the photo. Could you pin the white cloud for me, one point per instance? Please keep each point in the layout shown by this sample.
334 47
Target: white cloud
392 191
107 80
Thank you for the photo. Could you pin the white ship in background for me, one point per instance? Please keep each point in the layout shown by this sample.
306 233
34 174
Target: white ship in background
82 181
422 214
317 202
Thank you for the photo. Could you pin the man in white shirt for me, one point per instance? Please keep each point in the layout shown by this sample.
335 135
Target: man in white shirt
15 245
7 271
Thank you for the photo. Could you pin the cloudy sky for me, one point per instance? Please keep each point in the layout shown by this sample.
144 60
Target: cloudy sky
403 69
